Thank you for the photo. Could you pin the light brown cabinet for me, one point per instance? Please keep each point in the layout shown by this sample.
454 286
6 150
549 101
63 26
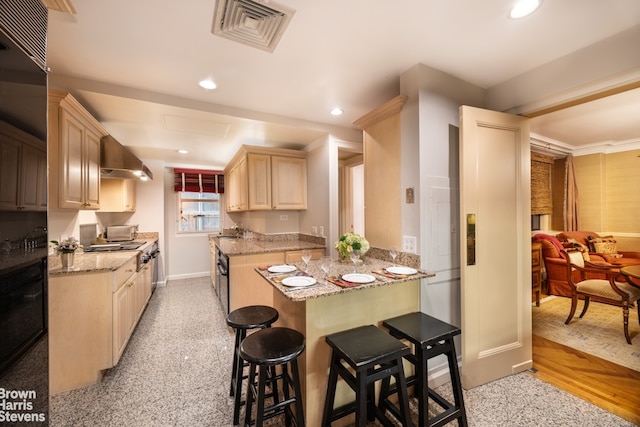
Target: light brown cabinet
117 195
91 318
129 302
260 178
291 257
236 179
289 183
23 159
74 154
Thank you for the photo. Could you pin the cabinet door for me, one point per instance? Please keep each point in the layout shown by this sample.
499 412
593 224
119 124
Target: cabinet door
130 195
237 191
33 187
259 181
71 191
91 170
9 156
122 318
291 257
289 183
117 195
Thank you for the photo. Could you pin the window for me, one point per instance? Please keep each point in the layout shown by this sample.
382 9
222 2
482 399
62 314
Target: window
198 194
198 212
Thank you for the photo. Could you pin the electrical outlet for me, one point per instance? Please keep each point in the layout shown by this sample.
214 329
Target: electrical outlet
409 244
284 217
321 230
314 230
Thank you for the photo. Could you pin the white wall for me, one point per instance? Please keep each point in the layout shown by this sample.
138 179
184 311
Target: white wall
430 159
186 255
318 187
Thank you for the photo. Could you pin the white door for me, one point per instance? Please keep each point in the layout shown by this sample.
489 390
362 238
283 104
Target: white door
496 265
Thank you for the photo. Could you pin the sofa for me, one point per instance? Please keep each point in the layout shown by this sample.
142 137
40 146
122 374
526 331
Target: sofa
596 250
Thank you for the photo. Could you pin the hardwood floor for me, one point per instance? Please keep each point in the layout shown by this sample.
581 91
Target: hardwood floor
605 384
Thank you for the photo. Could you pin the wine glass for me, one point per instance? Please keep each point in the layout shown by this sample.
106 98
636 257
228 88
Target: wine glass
325 265
355 256
306 257
393 252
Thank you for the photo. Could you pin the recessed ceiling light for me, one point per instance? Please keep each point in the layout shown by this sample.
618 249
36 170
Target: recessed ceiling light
207 84
336 111
182 151
524 8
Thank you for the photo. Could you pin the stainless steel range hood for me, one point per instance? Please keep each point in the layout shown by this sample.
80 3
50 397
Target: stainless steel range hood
118 162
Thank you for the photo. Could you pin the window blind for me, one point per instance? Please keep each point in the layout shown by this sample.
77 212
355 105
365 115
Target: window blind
541 196
198 180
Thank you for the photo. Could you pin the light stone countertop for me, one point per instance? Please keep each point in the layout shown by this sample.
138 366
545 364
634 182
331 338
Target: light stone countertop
233 246
323 288
96 262
15 260
91 262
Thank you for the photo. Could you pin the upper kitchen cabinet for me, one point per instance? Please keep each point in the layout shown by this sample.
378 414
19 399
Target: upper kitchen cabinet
117 195
261 178
74 154
288 183
23 159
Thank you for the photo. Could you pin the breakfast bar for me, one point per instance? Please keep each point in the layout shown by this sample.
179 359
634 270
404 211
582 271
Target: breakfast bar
324 307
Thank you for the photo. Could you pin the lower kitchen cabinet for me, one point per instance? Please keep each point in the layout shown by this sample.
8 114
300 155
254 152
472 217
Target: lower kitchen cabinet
91 318
296 256
247 287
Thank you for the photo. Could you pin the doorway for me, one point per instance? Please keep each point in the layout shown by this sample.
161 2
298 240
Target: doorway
351 192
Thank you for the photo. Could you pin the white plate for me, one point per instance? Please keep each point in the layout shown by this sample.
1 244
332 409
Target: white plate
284 268
298 281
358 278
402 270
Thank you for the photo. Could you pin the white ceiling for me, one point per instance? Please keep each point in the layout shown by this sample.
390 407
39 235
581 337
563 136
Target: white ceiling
136 65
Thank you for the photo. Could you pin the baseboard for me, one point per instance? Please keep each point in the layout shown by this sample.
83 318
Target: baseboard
187 276
439 375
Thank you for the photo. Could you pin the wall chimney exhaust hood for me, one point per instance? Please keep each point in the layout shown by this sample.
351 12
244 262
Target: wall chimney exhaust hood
118 162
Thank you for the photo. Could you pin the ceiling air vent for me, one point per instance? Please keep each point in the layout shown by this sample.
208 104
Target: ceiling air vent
254 23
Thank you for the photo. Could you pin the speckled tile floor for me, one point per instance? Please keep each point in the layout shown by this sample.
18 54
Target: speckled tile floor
176 369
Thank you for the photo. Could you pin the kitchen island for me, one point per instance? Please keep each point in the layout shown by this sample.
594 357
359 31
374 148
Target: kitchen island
242 286
325 308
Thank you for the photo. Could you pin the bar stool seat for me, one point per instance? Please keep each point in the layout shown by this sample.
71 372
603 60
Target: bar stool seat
374 355
431 337
266 349
242 320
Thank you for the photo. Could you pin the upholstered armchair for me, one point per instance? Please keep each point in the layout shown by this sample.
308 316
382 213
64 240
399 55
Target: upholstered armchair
555 264
612 289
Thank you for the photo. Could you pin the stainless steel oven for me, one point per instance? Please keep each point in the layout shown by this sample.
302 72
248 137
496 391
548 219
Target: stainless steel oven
222 280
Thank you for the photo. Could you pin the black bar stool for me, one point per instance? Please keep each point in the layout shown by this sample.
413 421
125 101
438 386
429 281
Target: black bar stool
265 349
363 349
242 320
431 337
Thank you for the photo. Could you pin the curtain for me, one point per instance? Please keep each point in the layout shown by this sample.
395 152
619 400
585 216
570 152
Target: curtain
198 180
570 197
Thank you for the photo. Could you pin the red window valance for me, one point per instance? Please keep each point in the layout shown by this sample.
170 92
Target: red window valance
198 180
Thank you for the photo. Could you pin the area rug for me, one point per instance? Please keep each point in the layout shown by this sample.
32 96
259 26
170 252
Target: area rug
598 333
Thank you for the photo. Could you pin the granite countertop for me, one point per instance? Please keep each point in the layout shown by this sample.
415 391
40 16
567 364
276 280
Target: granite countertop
373 266
231 246
97 262
91 262
15 260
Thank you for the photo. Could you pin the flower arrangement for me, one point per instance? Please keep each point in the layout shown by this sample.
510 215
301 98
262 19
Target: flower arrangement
350 242
67 246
